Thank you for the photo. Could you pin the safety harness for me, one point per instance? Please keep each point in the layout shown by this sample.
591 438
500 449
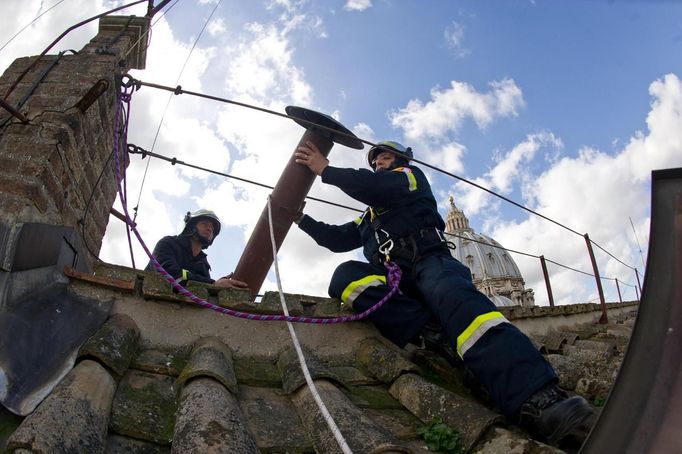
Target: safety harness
408 247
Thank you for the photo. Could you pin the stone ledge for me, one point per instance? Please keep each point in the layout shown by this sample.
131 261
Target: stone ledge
102 281
518 312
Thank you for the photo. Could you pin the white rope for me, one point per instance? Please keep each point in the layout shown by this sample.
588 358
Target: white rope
301 359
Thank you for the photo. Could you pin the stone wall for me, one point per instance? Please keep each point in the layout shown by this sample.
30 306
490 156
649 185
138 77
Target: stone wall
540 320
49 168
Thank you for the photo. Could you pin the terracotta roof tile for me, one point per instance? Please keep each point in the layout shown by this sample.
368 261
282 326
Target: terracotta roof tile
292 373
204 381
384 363
428 401
503 441
144 407
119 443
210 358
361 432
73 418
273 420
209 419
114 344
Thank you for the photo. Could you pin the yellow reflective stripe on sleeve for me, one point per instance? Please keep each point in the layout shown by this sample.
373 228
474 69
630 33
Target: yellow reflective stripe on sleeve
359 219
477 329
355 288
184 274
411 179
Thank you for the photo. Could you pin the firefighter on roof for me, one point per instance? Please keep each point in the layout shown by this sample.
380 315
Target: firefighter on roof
402 222
182 256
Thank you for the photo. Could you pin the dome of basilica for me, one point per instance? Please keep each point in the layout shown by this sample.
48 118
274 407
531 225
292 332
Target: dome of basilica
493 270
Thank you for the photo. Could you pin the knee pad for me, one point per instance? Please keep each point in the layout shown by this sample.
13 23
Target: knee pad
349 272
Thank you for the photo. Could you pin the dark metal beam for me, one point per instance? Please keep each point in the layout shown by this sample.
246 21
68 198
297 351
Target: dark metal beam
644 410
287 196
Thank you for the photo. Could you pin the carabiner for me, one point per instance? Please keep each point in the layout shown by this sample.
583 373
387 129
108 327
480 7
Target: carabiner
386 247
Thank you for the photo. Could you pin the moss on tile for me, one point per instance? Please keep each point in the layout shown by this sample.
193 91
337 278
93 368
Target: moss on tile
373 397
292 373
400 422
438 371
114 344
8 424
233 298
271 304
144 407
257 373
262 406
121 444
353 375
382 362
116 271
162 362
156 287
210 358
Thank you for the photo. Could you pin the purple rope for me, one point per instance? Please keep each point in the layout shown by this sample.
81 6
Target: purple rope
125 180
392 278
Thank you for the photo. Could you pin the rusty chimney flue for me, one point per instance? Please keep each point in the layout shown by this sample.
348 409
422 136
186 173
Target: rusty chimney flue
289 193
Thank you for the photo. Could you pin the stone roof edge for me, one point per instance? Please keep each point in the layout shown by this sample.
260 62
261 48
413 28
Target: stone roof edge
124 279
518 312
151 285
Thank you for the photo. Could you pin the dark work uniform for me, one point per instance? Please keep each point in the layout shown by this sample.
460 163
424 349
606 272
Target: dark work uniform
174 253
434 284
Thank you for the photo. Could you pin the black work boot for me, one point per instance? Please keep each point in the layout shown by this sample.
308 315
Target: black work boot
432 337
551 415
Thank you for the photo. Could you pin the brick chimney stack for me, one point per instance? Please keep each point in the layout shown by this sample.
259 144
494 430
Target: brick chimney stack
49 167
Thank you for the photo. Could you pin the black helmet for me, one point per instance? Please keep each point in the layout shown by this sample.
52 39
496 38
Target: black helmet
404 154
191 220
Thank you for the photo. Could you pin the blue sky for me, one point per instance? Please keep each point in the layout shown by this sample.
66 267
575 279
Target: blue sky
563 106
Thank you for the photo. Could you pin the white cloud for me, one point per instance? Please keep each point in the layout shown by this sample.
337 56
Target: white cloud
261 66
288 5
597 193
511 168
216 27
317 25
448 109
357 5
454 39
448 157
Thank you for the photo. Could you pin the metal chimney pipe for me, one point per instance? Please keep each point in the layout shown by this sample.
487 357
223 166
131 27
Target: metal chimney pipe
288 195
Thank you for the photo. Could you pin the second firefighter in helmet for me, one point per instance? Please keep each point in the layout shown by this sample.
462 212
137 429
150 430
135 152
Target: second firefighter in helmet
203 225
182 256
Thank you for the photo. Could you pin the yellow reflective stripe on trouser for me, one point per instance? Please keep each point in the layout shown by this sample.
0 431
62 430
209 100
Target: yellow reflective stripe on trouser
411 179
477 329
355 288
184 274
